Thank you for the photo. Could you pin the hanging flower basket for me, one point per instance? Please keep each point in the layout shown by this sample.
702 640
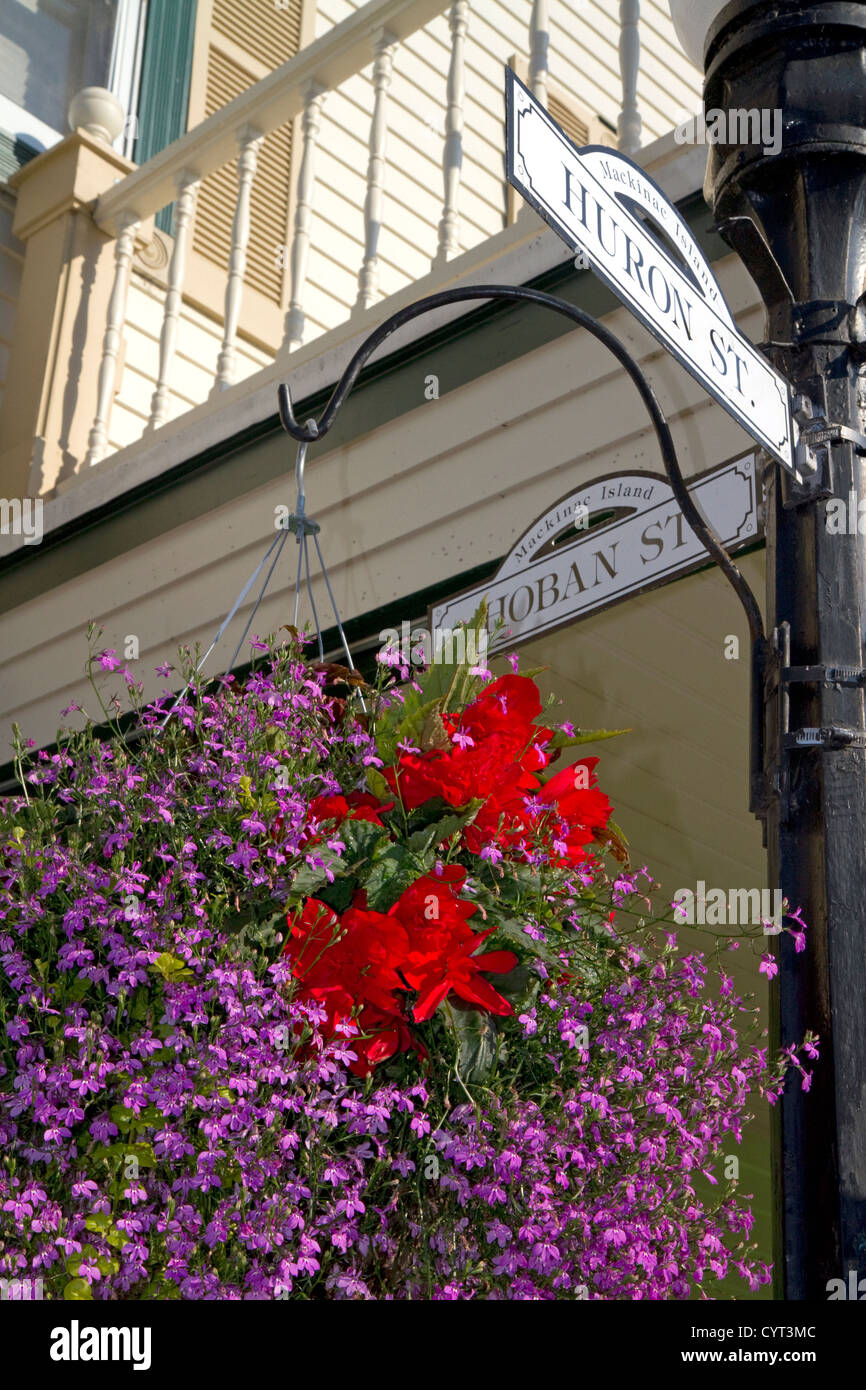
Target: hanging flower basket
319 989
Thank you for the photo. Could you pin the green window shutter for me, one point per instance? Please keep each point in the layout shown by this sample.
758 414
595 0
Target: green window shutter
165 77
14 153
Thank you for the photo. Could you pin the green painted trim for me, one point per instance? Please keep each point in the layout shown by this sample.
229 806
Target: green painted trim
165 77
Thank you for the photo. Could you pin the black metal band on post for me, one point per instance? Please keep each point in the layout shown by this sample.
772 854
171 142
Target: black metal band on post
690 510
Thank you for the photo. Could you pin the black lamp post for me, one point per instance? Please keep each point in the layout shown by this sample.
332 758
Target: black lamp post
797 217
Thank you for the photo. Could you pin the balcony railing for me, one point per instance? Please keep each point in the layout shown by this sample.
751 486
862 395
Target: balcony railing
375 33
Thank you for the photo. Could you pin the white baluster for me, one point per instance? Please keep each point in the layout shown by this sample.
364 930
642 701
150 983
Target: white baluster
97 440
368 279
629 123
311 124
539 45
250 141
187 189
452 157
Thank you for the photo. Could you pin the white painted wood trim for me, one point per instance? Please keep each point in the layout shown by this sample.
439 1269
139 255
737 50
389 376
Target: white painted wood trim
268 104
384 46
123 248
187 190
250 141
517 254
629 123
452 154
311 126
539 47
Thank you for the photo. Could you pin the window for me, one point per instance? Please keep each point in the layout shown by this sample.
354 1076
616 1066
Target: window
163 99
50 49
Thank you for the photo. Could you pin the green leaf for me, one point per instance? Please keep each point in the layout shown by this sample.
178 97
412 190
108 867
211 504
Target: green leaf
422 717
519 986
361 838
276 738
122 1117
99 1221
261 932
308 880
171 967
476 1035
428 812
450 681
140 1003
427 838
378 786
116 1154
403 723
143 1152
563 740
520 884
613 840
620 834
108 1153
236 922
339 894
446 685
77 1290
391 874
515 934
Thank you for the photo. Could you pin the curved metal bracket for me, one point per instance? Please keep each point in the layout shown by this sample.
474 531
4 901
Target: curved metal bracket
317 429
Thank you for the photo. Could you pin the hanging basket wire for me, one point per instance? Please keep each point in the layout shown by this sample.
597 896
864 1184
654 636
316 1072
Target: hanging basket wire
301 526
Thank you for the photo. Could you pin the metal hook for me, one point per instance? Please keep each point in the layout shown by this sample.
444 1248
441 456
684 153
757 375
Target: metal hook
300 463
305 434
299 477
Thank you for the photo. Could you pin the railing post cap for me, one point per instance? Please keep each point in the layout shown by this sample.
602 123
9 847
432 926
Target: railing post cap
97 110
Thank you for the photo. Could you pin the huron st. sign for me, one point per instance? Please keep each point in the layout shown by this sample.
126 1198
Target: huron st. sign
596 200
604 542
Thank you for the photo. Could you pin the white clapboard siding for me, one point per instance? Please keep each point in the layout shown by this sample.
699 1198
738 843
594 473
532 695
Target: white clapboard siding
584 65
584 62
412 212
193 369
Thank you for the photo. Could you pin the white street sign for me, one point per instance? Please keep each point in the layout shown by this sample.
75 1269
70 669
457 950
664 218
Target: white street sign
550 578
593 198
